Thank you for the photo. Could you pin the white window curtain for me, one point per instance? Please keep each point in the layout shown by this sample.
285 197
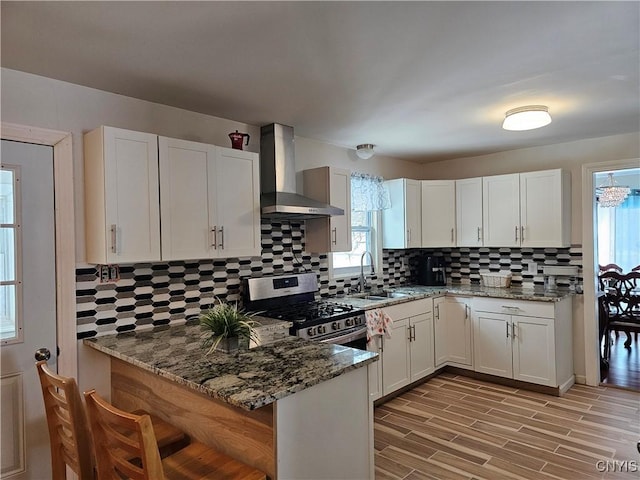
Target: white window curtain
368 194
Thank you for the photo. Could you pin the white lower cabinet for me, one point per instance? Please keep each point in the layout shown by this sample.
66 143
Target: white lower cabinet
375 369
408 355
453 331
524 340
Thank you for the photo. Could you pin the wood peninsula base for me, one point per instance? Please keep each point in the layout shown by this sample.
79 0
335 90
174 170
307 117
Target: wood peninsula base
323 432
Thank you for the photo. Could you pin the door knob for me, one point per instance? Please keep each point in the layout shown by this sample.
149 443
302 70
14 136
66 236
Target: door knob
42 354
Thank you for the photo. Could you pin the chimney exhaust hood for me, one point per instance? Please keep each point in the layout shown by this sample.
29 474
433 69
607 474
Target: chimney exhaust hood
278 197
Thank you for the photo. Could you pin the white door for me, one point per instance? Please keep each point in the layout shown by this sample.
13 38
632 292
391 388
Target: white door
237 191
501 210
438 213
534 353
26 184
186 199
469 212
492 337
340 196
457 316
440 352
422 360
397 360
375 369
413 212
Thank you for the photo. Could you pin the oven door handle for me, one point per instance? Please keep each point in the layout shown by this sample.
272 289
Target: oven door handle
349 337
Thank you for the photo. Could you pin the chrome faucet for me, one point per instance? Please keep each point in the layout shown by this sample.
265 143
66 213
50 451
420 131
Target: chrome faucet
363 281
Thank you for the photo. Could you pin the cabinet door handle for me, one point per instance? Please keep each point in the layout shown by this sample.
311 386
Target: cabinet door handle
507 324
222 238
522 233
516 233
408 236
413 329
452 235
466 311
410 335
214 230
438 312
114 238
513 329
479 228
334 235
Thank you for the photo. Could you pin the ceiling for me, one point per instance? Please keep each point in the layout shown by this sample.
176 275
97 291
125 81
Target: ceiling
423 81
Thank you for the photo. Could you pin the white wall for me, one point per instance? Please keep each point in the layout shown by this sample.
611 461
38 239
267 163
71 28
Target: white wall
47 103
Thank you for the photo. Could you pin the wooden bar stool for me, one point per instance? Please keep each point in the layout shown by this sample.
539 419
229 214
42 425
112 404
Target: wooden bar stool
69 430
196 461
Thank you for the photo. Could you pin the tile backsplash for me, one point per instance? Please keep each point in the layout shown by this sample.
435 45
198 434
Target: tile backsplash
159 293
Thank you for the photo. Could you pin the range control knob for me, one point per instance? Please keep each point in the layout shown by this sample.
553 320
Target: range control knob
349 322
310 332
335 325
321 329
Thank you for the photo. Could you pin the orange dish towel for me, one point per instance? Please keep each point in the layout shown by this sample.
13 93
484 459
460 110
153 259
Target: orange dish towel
378 323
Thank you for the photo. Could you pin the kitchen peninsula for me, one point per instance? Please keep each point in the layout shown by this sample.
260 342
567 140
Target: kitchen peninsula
294 409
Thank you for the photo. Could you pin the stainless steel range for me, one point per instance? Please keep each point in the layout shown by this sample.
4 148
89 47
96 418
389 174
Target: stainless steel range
292 298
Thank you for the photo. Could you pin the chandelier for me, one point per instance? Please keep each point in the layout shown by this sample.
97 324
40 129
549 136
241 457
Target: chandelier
611 194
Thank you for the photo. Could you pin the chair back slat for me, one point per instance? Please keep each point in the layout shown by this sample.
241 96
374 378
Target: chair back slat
68 430
611 267
122 436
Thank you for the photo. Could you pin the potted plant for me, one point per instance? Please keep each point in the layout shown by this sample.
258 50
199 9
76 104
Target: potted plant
225 325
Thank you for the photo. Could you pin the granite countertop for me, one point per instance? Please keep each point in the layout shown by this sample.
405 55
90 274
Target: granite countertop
407 293
248 379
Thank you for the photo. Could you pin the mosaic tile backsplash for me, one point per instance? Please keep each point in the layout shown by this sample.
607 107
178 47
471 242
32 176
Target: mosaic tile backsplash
159 293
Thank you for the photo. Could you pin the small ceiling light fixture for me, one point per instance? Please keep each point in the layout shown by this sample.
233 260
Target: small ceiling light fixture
527 118
611 194
365 151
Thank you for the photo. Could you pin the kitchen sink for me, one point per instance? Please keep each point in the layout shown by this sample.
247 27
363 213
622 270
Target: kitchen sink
379 295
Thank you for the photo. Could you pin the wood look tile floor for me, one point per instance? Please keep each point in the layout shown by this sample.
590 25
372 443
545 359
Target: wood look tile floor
624 364
454 427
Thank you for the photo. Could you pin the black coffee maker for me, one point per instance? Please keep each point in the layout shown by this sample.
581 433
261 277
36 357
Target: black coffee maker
431 271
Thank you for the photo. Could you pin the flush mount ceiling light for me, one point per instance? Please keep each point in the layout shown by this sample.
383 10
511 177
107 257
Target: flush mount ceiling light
527 118
611 194
365 151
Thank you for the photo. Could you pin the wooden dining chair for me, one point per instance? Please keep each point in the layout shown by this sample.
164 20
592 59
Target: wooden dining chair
113 459
611 267
69 434
622 303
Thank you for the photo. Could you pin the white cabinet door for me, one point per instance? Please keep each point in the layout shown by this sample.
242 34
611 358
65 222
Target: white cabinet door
469 212
375 369
455 330
534 357
237 197
401 223
492 338
545 208
333 186
413 213
438 213
501 210
422 359
397 359
187 199
441 354
121 196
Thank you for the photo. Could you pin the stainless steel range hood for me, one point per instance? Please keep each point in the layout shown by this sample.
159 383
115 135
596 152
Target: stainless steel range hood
278 197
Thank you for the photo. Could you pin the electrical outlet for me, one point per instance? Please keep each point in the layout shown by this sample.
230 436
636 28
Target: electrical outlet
532 268
108 273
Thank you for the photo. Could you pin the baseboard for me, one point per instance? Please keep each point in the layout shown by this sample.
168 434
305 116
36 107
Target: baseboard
581 379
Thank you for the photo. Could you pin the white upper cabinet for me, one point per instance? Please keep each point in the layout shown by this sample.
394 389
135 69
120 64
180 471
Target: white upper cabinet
545 208
501 210
438 213
401 223
469 212
237 203
209 201
187 200
122 218
333 186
